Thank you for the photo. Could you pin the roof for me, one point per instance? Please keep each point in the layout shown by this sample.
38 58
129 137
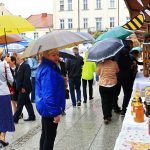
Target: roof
43 20
3 10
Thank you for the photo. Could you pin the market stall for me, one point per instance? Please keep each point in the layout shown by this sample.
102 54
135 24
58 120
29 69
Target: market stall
135 135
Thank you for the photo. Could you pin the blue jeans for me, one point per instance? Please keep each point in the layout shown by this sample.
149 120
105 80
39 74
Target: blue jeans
75 84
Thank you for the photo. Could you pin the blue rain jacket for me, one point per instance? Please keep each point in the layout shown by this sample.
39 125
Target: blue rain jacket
50 89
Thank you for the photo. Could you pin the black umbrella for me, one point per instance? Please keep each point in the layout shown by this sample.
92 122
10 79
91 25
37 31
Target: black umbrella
104 49
65 53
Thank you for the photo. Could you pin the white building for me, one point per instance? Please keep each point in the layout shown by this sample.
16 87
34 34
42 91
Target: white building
89 15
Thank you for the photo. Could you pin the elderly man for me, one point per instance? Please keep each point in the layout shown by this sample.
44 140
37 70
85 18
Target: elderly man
50 97
24 87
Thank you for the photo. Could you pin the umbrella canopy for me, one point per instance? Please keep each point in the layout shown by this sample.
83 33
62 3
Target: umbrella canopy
11 38
55 40
116 32
104 49
65 53
14 25
13 47
87 35
138 49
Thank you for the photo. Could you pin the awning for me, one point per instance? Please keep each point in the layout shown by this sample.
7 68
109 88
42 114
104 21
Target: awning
135 7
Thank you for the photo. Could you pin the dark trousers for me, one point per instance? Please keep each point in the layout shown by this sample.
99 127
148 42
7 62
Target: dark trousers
49 131
33 89
127 90
24 100
75 84
84 85
107 94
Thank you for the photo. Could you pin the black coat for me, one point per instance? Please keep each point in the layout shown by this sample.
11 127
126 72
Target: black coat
74 67
23 77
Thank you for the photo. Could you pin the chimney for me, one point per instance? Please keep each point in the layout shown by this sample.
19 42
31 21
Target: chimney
44 14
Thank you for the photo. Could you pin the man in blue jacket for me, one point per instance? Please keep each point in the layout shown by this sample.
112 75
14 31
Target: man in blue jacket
50 97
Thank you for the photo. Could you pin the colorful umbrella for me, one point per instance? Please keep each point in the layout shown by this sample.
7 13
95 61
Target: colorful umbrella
11 38
116 32
14 25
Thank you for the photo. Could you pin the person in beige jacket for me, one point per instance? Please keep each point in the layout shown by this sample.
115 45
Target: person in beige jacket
107 72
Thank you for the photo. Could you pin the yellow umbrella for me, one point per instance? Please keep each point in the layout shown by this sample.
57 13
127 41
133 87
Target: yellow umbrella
14 25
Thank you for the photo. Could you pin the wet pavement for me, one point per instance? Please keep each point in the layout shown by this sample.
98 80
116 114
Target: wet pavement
81 129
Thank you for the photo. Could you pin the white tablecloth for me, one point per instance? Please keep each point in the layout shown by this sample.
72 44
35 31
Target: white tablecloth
140 82
131 131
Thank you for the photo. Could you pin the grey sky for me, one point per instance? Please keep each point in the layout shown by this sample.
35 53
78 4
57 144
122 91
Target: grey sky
27 7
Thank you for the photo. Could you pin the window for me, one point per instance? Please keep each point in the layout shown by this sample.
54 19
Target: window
85 23
98 24
69 4
127 19
98 4
70 26
85 4
62 24
112 4
61 5
36 35
112 22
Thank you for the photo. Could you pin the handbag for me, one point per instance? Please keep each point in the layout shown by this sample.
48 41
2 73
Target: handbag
11 89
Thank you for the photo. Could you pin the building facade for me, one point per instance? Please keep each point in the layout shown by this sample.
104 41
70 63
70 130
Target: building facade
89 15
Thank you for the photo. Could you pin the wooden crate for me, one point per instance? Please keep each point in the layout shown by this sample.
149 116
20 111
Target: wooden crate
146 59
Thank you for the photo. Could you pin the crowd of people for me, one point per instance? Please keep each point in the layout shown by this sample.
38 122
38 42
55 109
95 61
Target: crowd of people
48 79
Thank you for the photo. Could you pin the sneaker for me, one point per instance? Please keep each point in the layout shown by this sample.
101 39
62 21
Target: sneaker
78 103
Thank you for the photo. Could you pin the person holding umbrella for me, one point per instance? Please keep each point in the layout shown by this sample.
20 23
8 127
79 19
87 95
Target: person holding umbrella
107 71
50 97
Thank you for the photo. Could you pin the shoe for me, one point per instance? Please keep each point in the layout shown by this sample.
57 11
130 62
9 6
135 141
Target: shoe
85 101
123 112
30 119
32 101
21 116
109 119
4 143
78 103
63 113
16 121
117 111
91 98
106 121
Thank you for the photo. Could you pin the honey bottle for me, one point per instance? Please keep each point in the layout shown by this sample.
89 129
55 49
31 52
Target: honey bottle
135 99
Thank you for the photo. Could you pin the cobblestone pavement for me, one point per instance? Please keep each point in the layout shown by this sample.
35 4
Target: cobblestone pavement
81 129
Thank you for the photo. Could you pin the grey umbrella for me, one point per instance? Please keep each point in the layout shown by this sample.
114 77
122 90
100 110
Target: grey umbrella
104 49
87 35
65 53
54 40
